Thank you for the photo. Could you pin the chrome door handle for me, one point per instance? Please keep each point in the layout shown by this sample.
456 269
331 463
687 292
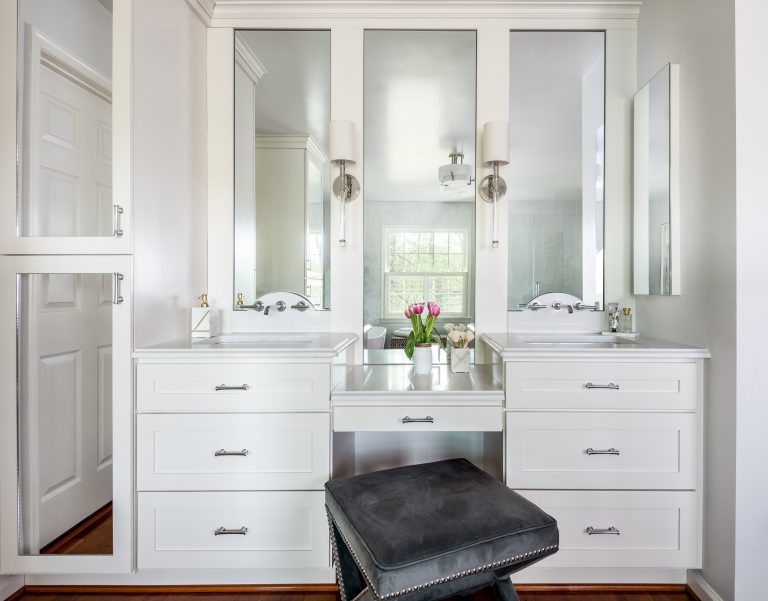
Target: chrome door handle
117 285
223 530
609 530
225 453
117 228
418 420
611 451
591 386
221 387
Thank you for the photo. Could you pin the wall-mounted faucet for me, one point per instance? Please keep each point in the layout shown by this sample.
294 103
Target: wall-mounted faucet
557 305
279 305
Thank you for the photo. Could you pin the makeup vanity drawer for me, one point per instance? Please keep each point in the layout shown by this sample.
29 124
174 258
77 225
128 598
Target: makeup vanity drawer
237 530
601 385
267 451
414 418
227 387
622 528
601 450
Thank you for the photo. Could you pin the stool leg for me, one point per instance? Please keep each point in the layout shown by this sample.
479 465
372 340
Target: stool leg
504 590
351 582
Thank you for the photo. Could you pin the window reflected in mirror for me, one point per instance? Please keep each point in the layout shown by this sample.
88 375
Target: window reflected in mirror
282 173
555 184
64 342
419 105
64 118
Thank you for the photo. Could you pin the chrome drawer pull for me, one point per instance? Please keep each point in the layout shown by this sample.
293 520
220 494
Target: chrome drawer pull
591 386
611 451
223 530
608 530
225 387
418 420
224 453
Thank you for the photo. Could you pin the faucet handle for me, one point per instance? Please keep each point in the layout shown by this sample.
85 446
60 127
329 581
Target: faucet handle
280 305
580 306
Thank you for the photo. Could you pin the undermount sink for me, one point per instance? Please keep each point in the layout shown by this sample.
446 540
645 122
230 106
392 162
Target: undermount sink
262 340
573 339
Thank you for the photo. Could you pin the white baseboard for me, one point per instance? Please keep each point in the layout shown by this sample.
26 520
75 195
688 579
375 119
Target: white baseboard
9 584
701 587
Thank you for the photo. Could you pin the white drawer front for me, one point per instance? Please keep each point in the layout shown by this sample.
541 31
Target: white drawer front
200 452
283 530
410 418
601 450
192 387
655 528
601 385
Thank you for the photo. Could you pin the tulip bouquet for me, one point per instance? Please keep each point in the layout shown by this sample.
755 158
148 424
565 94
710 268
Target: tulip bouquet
423 331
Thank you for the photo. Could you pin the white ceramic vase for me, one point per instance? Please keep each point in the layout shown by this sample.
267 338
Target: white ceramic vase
422 359
460 360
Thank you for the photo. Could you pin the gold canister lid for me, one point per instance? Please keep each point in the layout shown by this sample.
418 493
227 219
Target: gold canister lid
627 310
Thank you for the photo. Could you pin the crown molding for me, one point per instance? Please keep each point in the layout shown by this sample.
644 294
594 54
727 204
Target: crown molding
203 9
428 9
248 60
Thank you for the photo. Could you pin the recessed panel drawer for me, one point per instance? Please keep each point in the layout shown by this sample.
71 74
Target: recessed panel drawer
413 418
601 450
242 530
268 451
600 385
225 387
622 529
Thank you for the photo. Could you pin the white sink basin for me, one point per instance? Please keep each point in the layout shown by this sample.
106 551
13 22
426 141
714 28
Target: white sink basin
573 339
262 340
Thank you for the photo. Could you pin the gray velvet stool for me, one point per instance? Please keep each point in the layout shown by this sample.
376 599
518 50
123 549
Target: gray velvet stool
432 531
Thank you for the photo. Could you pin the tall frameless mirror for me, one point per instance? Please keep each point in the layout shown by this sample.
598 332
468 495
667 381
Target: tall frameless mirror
64 349
555 186
282 173
420 121
65 119
656 231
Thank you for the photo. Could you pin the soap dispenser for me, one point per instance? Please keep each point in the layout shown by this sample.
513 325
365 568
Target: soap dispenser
201 319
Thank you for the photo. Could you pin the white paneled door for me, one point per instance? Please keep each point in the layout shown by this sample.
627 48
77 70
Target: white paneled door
66 435
65 393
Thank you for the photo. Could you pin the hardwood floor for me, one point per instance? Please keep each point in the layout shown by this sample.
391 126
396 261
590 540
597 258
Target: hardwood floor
92 536
530 596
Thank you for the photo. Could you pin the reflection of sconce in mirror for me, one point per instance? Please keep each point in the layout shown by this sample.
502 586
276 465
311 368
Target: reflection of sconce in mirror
495 152
455 175
343 152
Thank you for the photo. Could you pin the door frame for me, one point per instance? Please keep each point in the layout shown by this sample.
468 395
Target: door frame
121 561
11 148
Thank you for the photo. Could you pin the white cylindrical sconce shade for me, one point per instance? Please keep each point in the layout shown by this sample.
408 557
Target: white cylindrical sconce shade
343 141
496 142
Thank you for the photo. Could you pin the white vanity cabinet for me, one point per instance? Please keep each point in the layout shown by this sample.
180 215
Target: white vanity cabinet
610 447
232 457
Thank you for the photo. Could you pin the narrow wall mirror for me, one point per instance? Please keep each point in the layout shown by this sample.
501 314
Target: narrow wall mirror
64 117
555 184
282 190
656 195
419 148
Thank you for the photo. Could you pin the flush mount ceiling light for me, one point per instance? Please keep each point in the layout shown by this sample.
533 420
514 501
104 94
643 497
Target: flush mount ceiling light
456 175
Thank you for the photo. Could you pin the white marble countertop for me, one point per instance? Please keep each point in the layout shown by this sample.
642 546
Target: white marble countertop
289 345
398 384
514 346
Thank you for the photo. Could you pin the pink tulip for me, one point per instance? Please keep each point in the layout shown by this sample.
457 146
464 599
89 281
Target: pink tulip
417 309
434 309
407 313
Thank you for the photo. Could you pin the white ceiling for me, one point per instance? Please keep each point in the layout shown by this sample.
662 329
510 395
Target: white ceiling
294 96
546 71
419 106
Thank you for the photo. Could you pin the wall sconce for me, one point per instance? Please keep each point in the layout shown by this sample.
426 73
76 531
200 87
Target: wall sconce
495 152
344 152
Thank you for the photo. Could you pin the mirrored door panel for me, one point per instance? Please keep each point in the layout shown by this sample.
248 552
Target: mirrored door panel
72 168
72 352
